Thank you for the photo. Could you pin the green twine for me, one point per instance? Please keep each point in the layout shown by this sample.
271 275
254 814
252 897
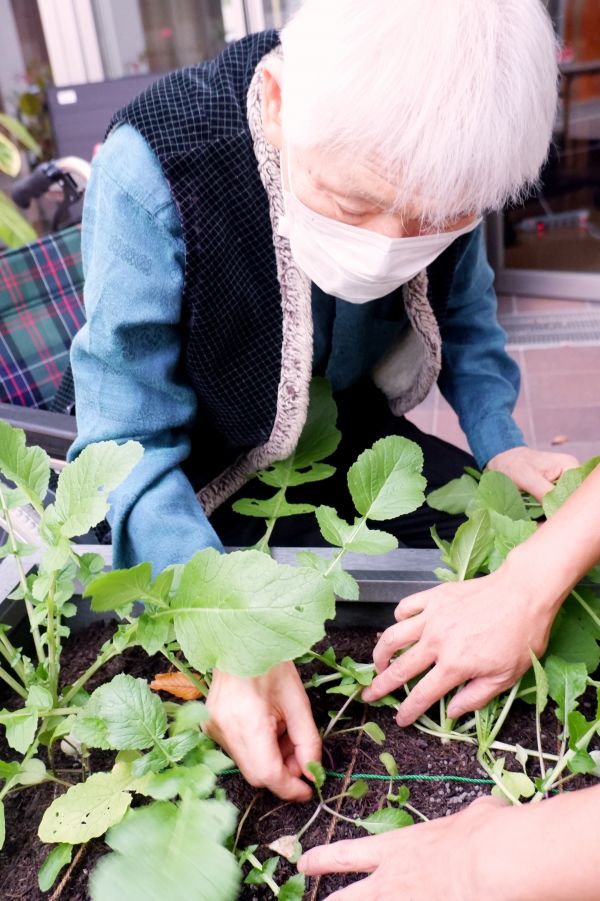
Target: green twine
401 777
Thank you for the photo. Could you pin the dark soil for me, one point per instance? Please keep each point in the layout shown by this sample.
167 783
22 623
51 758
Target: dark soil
269 819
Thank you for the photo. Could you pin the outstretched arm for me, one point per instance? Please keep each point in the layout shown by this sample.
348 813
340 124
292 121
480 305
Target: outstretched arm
537 852
480 632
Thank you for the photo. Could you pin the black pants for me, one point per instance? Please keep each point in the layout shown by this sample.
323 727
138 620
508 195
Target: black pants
363 417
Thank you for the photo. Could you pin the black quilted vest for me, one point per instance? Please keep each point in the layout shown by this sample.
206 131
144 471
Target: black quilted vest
195 121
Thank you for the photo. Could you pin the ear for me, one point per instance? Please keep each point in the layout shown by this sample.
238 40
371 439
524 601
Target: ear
271 104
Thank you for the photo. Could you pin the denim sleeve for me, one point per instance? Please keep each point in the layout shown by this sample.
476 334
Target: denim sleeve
478 378
125 359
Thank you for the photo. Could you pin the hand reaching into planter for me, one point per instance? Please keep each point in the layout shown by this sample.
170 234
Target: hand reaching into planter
480 632
266 725
483 852
532 470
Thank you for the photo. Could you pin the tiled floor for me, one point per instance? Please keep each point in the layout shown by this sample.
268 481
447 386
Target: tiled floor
560 391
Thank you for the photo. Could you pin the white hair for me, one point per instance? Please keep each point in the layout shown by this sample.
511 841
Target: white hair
454 100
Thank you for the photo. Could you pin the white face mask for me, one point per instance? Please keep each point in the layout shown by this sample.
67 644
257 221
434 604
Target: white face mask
354 263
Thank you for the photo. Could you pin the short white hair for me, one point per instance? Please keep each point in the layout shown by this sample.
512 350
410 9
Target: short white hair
454 100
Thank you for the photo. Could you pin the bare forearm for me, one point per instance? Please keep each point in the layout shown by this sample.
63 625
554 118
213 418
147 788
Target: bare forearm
541 852
565 547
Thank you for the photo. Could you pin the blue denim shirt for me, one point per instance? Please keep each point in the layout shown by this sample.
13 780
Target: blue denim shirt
133 255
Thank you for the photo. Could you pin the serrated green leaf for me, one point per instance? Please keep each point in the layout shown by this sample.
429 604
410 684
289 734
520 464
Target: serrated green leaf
272 508
121 714
40 697
85 484
244 613
386 481
153 633
566 683
472 544
167 750
358 538
293 889
343 584
20 728
55 861
88 809
27 467
119 588
385 820
198 780
281 475
508 534
566 485
166 851
497 493
455 497
319 437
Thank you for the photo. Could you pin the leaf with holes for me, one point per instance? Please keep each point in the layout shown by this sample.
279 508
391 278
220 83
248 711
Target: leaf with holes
88 809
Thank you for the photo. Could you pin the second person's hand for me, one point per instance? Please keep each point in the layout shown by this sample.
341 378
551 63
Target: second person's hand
266 725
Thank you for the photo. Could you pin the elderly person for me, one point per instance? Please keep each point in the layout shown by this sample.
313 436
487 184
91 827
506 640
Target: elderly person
308 202
536 852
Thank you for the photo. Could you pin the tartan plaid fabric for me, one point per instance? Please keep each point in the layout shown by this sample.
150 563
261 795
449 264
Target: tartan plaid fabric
41 309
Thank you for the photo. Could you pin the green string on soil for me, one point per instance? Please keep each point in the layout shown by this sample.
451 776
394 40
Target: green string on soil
401 777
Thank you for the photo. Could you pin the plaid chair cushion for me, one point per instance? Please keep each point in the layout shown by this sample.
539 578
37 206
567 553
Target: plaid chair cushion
41 309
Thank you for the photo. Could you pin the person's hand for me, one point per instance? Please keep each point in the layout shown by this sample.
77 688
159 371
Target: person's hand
532 470
478 633
266 725
433 861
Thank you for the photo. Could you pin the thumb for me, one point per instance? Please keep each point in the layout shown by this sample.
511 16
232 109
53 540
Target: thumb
535 483
303 734
475 695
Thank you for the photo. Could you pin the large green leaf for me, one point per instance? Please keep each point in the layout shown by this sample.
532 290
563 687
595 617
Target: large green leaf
121 714
84 485
496 492
472 544
20 728
508 533
27 467
166 851
244 613
344 585
121 587
566 683
571 640
358 538
386 480
566 485
455 497
319 437
88 809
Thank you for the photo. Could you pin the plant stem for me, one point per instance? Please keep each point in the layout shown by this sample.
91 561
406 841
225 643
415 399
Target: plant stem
51 639
183 668
505 711
489 770
341 670
268 880
242 821
37 638
100 661
309 823
416 812
12 656
339 816
16 686
538 738
595 619
341 711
